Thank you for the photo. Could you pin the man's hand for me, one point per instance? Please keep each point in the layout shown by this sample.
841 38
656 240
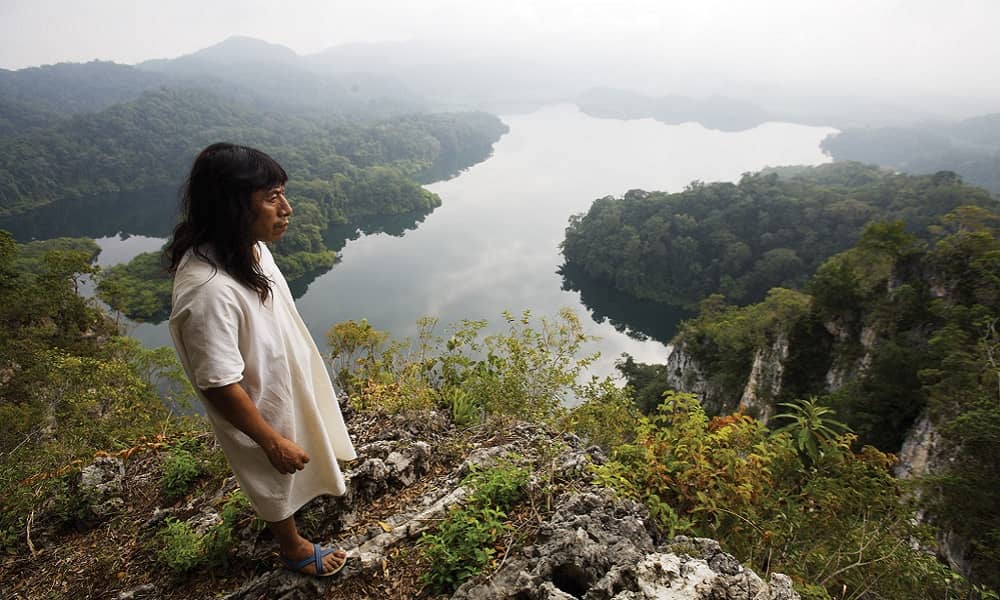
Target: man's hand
234 404
285 455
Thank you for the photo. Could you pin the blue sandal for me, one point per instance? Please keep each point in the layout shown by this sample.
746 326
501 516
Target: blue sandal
317 561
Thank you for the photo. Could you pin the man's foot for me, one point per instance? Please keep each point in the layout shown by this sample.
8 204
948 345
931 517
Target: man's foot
318 561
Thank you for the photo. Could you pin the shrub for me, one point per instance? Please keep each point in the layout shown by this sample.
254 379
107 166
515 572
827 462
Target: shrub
464 411
461 546
606 417
530 371
837 519
182 548
500 486
180 469
466 540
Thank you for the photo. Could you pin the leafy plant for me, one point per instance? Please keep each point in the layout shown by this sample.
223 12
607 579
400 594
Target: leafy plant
812 426
530 371
607 416
181 547
461 546
465 542
500 486
840 522
180 470
464 411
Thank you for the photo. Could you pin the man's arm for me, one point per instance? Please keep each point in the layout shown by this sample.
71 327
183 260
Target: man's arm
235 405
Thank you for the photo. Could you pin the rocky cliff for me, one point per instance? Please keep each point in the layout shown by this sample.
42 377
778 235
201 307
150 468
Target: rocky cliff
760 388
571 539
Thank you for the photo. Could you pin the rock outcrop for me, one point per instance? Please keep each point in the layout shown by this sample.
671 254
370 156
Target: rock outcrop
574 539
592 545
924 453
921 450
596 547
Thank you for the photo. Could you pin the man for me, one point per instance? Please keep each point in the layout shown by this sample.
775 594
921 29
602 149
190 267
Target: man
245 348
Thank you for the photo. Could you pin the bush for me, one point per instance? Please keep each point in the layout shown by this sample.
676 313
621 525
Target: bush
499 487
607 416
835 518
461 546
182 548
180 469
466 540
530 371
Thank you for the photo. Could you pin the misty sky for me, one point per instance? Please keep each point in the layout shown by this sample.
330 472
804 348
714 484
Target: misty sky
923 46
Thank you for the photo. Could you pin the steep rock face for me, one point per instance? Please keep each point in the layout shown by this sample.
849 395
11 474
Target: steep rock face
685 374
763 384
766 376
848 365
923 453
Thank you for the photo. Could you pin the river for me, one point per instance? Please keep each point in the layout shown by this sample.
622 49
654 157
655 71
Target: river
493 245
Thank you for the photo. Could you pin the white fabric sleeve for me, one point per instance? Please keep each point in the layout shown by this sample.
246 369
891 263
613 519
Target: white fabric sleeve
209 328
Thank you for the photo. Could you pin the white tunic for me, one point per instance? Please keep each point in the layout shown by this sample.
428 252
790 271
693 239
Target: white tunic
224 334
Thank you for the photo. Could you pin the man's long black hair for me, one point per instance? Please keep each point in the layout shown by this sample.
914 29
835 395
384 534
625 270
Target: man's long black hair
217 212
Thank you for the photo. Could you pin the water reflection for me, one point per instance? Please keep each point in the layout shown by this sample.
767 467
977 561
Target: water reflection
336 237
450 163
639 319
151 212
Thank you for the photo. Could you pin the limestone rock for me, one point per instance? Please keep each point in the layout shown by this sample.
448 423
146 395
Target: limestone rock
597 547
921 450
686 375
766 376
101 485
586 537
593 546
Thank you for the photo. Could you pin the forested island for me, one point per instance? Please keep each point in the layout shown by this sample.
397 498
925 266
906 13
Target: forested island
772 228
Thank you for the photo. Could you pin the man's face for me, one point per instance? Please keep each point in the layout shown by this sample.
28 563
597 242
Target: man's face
271 212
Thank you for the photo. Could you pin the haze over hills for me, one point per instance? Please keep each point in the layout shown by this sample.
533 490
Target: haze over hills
393 77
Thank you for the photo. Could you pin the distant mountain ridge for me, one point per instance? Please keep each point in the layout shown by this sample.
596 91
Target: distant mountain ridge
970 147
73 88
265 76
715 112
236 49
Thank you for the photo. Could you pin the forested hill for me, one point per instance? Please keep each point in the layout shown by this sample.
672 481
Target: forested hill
773 228
152 140
341 168
73 88
265 76
895 337
971 148
273 77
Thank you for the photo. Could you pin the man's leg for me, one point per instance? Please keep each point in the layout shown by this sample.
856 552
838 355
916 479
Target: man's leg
294 547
